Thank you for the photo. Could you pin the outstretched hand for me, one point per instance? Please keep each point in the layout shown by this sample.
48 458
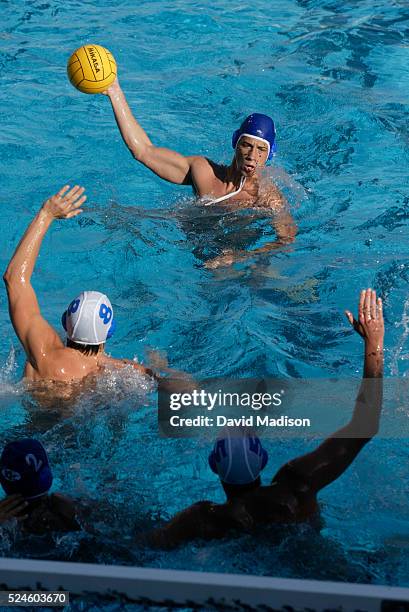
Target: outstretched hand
12 507
66 203
370 324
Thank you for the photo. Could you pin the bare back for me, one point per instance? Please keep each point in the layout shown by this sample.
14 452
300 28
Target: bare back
63 364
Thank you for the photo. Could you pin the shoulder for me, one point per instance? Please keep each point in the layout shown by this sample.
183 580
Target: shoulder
201 166
64 505
293 479
106 361
67 360
205 174
62 364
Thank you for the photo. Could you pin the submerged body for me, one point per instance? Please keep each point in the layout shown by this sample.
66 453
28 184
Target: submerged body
292 495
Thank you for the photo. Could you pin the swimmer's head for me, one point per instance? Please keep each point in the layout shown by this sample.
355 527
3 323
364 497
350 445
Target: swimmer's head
24 469
238 461
89 320
254 142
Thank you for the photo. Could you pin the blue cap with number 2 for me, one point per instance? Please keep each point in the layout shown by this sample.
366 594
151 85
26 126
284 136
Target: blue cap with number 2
24 469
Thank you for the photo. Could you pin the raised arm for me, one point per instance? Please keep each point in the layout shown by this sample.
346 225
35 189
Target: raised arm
167 164
34 333
324 465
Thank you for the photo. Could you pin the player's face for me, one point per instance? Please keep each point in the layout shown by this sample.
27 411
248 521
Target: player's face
251 154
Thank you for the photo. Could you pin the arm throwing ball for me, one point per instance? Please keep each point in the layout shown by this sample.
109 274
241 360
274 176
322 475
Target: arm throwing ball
91 69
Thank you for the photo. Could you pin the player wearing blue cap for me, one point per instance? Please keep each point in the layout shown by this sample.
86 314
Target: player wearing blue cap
254 144
292 495
88 321
26 478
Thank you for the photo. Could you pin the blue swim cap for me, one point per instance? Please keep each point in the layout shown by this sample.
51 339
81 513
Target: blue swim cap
260 127
238 459
24 469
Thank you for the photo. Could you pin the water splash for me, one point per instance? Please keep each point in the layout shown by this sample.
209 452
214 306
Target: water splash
398 355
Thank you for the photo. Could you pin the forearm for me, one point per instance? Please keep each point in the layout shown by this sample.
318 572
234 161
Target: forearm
132 133
373 360
286 231
22 263
364 423
336 453
368 405
271 246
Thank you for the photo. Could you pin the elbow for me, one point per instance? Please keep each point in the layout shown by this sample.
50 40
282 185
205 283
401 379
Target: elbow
135 153
7 277
138 152
12 278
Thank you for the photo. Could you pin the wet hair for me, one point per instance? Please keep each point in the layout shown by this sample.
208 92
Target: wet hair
85 349
239 490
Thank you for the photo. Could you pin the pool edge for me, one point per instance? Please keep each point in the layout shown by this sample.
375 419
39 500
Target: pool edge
160 585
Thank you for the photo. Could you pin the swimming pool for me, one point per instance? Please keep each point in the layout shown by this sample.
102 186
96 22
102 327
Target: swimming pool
335 79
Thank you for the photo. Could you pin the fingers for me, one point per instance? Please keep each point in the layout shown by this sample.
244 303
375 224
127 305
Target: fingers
361 316
370 306
373 305
380 309
62 191
12 506
74 213
367 305
369 310
66 204
73 194
70 194
11 501
350 317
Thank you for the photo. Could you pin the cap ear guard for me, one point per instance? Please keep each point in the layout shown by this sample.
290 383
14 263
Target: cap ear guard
273 149
112 329
45 480
235 138
64 320
264 459
212 462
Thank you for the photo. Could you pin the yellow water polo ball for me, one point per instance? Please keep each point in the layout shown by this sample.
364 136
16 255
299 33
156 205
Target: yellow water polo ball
91 69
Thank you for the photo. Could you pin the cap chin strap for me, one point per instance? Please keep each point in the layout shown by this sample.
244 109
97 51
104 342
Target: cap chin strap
229 195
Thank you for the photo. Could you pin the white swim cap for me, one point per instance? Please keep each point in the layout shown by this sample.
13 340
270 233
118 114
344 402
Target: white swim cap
238 459
89 318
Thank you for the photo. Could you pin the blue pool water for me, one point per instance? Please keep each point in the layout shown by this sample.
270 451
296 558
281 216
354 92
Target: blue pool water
335 77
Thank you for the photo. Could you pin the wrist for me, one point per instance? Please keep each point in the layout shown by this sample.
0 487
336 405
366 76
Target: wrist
372 347
114 92
45 215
